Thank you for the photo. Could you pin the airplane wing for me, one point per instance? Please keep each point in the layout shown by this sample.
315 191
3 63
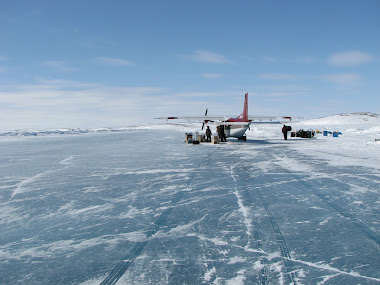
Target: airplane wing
194 118
268 119
225 123
222 120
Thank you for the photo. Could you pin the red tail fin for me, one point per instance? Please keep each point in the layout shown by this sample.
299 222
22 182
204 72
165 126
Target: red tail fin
244 116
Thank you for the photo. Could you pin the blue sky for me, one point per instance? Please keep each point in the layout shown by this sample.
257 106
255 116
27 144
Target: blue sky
117 63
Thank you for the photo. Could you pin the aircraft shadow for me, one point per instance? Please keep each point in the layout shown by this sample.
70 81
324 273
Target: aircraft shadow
255 142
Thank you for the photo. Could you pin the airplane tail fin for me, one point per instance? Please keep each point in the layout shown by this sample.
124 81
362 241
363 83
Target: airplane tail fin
244 115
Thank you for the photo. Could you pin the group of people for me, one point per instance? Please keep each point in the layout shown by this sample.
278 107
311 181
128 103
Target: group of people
222 135
219 130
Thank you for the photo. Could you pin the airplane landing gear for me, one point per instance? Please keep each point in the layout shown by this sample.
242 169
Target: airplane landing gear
243 138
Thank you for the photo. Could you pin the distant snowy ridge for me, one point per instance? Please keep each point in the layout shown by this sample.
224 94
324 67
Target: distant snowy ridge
70 131
62 131
363 120
375 115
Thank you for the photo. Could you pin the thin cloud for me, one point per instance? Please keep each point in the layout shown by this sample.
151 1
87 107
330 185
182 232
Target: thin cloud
349 58
281 94
299 59
248 58
59 84
304 59
342 79
197 94
208 57
277 76
59 65
114 61
211 75
80 104
269 59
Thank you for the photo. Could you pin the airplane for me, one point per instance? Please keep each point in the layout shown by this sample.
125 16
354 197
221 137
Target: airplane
233 127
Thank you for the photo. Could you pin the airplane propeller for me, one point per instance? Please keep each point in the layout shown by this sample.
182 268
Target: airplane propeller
203 125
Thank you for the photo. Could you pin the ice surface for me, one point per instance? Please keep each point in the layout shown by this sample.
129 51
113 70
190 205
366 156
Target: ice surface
142 207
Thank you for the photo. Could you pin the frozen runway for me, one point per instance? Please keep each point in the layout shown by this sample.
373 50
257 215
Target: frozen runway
143 207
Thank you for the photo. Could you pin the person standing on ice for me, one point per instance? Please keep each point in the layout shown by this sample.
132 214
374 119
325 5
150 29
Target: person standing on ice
208 134
222 134
218 130
285 130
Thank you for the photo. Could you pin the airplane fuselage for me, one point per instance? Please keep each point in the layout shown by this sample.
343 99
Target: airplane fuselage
238 125
235 131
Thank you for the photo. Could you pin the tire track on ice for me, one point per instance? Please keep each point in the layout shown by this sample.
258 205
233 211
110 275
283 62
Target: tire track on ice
289 261
365 229
251 223
287 258
137 249
289 265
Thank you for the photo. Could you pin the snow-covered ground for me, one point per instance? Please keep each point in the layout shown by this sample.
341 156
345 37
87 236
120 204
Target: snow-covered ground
139 206
356 145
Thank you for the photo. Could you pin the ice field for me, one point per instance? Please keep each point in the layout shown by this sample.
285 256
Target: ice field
142 207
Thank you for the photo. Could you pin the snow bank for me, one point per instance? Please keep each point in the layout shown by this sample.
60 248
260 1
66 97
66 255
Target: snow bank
356 146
